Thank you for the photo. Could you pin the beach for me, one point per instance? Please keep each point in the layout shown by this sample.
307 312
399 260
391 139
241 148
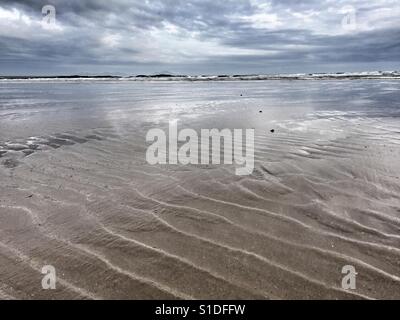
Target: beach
77 193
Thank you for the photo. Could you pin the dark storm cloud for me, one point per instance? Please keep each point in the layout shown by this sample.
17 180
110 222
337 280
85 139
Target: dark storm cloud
198 36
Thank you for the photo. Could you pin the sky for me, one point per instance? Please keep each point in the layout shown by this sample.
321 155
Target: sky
130 37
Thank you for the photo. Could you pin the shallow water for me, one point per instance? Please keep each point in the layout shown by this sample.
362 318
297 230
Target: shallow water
76 191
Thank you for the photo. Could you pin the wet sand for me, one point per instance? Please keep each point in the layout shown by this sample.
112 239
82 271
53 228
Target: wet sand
77 193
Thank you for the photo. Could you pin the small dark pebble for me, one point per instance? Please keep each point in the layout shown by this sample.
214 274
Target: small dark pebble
94 137
10 163
28 152
30 196
273 131
33 146
260 111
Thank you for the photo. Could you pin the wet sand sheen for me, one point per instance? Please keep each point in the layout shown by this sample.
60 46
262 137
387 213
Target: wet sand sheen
324 194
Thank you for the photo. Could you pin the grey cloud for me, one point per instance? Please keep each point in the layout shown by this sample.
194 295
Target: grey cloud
199 36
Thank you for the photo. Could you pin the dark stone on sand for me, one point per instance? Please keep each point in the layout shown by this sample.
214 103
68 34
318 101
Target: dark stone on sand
60 142
94 137
28 152
72 138
273 131
260 111
33 146
10 163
